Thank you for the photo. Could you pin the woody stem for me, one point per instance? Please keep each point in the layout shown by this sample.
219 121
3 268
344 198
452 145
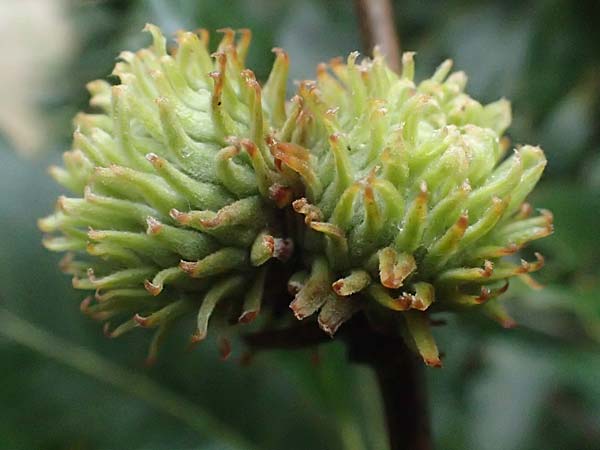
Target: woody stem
400 376
377 27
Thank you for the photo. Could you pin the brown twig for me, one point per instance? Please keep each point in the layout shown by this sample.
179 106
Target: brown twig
398 370
400 376
376 19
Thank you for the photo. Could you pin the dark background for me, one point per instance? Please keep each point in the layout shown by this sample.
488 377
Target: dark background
535 387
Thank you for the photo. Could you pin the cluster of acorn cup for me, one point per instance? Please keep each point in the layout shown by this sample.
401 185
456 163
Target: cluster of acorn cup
194 188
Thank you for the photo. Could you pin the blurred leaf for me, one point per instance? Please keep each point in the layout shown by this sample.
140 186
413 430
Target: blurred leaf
505 402
567 129
574 244
85 361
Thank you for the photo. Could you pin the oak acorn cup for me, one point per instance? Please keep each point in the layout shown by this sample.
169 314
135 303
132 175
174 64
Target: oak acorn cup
375 192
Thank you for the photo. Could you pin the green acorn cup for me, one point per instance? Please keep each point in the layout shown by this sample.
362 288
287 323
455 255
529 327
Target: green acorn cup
409 203
175 192
393 196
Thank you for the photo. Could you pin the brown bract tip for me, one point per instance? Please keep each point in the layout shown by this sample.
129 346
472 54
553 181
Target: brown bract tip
508 323
296 308
502 289
153 289
228 35
281 195
204 35
311 212
484 296
268 243
338 287
329 328
198 336
155 160
403 303
527 267
245 32
510 249
188 266
280 53
178 216
488 269
417 303
321 70
249 146
153 225
211 223
547 215
140 320
248 75
434 362
389 280
248 316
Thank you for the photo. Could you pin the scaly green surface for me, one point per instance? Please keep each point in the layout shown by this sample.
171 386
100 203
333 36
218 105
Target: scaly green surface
184 178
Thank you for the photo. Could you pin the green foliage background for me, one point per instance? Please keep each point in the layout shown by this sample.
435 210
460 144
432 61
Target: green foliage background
530 388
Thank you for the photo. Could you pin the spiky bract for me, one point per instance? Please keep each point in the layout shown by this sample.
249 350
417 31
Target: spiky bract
409 203
174 186
186 179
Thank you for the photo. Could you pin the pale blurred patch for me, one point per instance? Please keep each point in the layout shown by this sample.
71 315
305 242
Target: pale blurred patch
35 37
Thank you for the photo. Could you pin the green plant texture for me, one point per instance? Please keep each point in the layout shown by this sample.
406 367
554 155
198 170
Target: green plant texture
190 170
65 386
